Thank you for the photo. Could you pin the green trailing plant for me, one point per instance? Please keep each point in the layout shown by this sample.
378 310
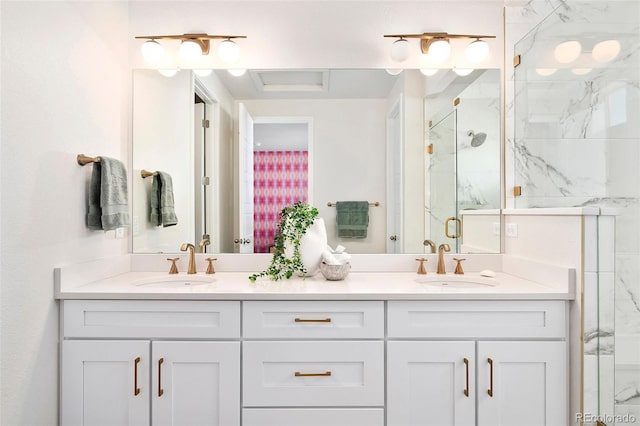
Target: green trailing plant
294 222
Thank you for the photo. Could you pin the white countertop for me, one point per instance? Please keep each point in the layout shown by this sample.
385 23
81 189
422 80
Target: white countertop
357 286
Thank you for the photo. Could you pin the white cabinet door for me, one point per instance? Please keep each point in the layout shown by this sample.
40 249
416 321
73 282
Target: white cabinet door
522 383
196 383
105 383
431 383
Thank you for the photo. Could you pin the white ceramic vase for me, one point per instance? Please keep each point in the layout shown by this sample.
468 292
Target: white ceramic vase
312 245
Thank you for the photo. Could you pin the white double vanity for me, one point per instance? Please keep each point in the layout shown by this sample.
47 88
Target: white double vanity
141 347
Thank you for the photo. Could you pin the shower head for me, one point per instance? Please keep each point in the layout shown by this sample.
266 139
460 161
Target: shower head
477 139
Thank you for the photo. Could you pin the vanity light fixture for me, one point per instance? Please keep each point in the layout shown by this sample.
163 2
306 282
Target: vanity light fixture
168 72
606 51
545 72
393 71
437 46
567 51
192 48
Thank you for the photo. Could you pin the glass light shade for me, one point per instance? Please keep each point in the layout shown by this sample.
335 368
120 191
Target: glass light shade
152 51
429 71
606 51
439 50
203 73
477 51
190 51
400 50
463 71
237 72
393 71
228 51
168 72
567 52
546 71
581 71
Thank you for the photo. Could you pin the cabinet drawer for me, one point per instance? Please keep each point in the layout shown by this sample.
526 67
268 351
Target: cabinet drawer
314 319
313 417
313 374
478 319
151 319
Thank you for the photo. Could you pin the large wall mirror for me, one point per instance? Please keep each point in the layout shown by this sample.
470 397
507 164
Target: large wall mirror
423 151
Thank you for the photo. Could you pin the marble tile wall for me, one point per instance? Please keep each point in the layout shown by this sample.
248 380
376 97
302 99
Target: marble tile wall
574 140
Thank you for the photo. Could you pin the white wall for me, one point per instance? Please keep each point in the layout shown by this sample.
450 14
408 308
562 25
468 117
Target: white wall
65 80
162 123
349 135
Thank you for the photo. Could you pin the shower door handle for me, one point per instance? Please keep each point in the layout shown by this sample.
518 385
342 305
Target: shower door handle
458 233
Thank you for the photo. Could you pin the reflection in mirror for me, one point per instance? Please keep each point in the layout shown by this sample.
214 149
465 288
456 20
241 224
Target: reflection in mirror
464 168
360 136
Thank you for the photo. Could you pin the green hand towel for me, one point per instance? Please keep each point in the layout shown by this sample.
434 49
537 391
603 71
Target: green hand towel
162 204
352 219
108 204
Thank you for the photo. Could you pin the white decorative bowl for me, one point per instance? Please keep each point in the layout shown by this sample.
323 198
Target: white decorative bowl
335 272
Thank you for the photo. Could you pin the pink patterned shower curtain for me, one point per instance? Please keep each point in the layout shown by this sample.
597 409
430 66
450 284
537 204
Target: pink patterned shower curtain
279 179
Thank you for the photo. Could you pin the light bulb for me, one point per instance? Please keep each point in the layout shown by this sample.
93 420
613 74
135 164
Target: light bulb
439 50
545 72
463 71
477 51
190 51
152 51
400 50
237 72
228 51
567 52
168 72
429 71
606 51
203 72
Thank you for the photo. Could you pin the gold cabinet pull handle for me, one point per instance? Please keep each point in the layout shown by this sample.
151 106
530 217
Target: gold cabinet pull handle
312 320
466 389
160 390
136 389
325 374
458 233
490 391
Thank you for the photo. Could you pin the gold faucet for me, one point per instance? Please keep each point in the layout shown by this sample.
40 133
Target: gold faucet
205 241
430 244
441 250
192 257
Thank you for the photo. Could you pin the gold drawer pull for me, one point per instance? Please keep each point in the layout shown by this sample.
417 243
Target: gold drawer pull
466 389
490 391
325 374
312 320
160 390
136 389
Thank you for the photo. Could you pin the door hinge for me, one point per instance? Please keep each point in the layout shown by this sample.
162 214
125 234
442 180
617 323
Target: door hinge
205 124
516 60
204 181
430 148
456 102
517 191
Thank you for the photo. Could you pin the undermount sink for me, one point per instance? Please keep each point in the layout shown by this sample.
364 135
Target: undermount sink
173 281
456 281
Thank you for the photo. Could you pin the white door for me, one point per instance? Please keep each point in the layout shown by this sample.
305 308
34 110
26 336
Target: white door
394 178
431 383
244 239
522 383
196 383
105 383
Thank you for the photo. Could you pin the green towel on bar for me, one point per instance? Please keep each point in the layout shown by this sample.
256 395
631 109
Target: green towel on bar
352 219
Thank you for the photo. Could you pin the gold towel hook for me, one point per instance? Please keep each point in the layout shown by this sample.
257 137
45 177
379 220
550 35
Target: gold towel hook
146 173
